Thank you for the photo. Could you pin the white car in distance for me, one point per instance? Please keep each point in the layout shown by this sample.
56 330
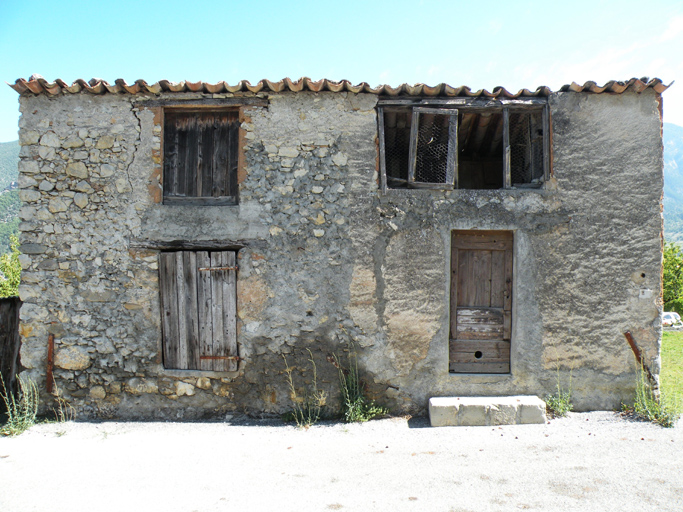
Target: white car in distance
671 319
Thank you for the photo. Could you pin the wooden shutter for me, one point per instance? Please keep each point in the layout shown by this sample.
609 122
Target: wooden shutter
198 303
481 301
200 157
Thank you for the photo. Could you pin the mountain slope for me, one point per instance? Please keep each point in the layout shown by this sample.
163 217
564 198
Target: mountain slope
9 157
673 182
9 199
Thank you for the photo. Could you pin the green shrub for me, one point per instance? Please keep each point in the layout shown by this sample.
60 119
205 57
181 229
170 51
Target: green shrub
672 278
663 410
355 405
21 412
309 405
10 268
559 403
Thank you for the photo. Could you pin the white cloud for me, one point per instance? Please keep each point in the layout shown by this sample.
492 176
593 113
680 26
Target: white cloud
673 29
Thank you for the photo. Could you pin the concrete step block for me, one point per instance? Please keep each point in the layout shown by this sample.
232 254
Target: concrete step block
446 411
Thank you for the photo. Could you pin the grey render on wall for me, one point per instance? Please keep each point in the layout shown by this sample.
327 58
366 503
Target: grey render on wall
326 259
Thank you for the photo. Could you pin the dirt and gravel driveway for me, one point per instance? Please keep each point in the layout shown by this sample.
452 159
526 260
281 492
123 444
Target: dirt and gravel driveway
590 461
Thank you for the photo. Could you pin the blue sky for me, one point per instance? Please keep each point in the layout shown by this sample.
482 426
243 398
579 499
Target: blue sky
514 44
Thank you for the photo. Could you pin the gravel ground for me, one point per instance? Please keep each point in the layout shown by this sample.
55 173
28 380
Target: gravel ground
595 461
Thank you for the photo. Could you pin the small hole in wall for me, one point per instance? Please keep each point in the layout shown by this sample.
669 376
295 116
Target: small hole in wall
478 354
642 275
309 313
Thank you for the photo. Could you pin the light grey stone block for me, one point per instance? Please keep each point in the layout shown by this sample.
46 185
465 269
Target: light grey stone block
443 411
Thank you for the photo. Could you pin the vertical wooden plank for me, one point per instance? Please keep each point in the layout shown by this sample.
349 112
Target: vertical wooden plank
546 144
169 308
454 286
191 313
452 159
10 343
231 187
507 177
211 136
382 151
222 152
204 153
507 305
229 339
204 309
482 278
192 157
170 177
196 177
179 184
217 307
531 127
220 159
412 154
498 285
182 318
465 286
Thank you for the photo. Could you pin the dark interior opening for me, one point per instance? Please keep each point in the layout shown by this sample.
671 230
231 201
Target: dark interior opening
480 150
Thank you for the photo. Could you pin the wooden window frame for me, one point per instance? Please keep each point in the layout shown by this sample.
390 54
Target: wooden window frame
232 173
453 107
451 159
198 298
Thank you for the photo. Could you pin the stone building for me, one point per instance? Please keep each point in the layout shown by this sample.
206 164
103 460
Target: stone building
181 240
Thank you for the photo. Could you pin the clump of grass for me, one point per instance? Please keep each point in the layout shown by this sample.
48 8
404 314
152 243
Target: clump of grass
663 410
21 411
355 407
63 411
308 406
558 404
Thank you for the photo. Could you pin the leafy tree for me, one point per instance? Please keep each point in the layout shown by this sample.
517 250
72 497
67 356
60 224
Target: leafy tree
673 278
11 270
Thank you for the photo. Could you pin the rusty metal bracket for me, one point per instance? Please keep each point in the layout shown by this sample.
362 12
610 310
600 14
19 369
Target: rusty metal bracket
213 269
230 358
49 378
641 361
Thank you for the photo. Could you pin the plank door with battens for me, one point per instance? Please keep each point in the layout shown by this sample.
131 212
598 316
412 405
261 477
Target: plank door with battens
481 301
198 303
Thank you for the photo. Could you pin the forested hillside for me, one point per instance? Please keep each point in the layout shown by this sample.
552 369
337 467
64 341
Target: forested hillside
9 199
9 156
673 182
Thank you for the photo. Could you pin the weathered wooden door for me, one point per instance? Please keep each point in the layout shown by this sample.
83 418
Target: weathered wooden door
481 301
198 302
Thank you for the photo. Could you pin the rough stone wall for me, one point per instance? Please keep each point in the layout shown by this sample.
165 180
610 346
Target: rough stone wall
325 259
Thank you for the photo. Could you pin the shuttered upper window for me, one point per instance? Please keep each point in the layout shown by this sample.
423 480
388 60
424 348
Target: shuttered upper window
200 156
198 305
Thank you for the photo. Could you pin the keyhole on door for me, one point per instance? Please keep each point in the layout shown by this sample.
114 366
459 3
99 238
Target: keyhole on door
478 354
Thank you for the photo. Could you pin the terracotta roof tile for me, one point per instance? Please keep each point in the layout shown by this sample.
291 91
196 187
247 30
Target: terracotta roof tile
38 85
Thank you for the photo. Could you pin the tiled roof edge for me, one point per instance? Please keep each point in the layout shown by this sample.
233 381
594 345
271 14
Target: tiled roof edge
613 86
36 84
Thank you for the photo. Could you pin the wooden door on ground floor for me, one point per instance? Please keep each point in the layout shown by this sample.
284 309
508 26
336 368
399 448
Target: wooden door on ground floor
481 301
